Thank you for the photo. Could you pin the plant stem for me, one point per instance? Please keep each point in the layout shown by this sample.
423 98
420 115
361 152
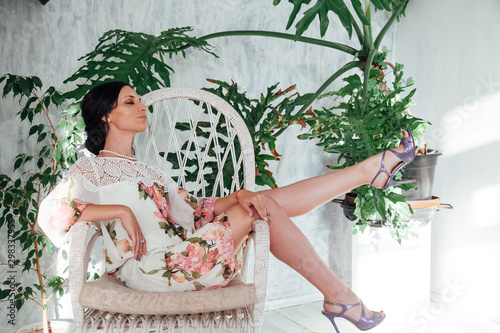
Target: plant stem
368 68
388 24
40 282
262 33
44 110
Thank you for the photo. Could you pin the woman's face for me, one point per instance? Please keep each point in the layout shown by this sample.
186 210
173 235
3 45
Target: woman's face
129 115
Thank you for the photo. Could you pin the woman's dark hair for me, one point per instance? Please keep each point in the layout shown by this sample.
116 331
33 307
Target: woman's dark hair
98 103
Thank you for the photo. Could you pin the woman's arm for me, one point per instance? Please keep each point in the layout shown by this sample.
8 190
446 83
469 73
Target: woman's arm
223 204
247 200
94 213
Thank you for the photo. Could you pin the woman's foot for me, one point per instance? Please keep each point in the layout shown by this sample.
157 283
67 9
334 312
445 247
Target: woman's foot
365 322
348 298
388 160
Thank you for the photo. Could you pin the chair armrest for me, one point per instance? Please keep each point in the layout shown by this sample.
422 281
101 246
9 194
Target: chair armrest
79 255
260 236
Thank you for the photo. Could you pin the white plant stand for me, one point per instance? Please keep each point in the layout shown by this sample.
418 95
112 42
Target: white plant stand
393 277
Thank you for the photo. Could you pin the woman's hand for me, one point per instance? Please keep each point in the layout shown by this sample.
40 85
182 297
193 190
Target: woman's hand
129 223
258 201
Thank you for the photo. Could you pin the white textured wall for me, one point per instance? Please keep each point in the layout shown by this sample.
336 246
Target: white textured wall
451 49
47 41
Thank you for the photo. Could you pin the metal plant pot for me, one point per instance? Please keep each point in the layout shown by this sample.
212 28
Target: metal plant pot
422 170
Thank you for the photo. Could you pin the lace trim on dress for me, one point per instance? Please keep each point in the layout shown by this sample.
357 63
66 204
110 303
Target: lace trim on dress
106 173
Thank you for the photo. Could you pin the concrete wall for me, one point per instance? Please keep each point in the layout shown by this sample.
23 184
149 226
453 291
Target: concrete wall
451 49
47 41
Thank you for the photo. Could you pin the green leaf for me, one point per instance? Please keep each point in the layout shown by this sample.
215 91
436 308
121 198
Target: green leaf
378 4
42 137
395 197
321 9
19 303
8 199
340 8
80 124
57 155
18 162
297 4
386 4
33 130
36 81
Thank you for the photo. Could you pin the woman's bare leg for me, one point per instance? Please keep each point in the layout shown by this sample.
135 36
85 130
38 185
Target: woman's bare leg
306 195
289 244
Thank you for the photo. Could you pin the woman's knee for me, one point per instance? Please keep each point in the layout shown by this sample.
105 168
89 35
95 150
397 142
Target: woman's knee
274 206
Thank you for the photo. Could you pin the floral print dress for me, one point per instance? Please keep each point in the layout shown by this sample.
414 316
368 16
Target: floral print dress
188 248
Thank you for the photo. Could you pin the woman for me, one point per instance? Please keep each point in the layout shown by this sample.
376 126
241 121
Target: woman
159 238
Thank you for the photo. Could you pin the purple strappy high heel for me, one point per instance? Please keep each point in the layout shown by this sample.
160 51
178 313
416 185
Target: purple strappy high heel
406 157
364 323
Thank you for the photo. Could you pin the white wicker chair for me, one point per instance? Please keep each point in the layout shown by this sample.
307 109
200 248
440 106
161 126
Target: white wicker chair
193 127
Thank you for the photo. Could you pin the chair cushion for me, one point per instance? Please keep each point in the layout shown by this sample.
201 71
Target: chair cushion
109 294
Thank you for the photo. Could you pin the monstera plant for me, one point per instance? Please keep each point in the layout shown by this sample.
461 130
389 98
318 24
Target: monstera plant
141 59
367 115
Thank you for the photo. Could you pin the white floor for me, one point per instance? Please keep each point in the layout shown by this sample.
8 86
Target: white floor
307 318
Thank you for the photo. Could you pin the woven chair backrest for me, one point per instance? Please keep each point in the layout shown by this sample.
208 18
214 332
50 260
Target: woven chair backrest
199 140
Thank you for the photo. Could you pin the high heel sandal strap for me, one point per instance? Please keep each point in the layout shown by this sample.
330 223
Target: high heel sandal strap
344 306
408 153
381 170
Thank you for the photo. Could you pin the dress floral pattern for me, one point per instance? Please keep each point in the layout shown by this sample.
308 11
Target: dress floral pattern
188 248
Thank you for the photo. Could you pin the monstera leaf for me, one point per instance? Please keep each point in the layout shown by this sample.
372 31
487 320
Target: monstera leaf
322 8
138 59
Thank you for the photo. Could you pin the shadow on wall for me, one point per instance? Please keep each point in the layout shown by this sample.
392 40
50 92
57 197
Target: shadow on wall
475 123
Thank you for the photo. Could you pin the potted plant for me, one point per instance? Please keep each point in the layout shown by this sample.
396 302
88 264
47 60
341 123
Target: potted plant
369 123
22 191
367 115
